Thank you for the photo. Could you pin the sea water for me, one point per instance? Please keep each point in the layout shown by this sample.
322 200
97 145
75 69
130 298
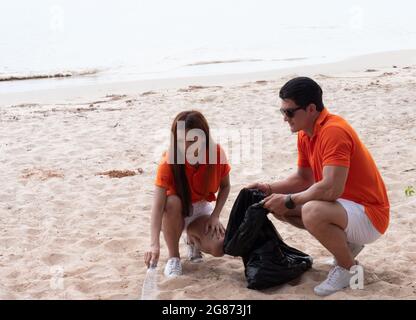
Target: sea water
99 41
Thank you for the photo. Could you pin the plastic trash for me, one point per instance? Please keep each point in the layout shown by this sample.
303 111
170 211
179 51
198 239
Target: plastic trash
150 284
268 261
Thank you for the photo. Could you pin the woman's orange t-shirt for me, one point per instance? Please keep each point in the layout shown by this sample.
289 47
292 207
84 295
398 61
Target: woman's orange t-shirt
195 176
335 143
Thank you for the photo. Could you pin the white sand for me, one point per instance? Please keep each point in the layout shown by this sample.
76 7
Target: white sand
68 233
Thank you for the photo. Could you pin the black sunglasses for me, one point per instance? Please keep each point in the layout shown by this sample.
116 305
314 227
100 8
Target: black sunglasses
290 113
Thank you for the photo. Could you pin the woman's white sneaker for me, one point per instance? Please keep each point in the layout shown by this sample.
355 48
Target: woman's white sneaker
338 279
193 252
173 267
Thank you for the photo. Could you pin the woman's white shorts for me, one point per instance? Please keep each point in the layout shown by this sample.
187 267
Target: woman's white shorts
198 209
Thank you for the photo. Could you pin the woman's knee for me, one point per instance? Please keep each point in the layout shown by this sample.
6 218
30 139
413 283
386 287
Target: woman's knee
218 250
173 205
172 215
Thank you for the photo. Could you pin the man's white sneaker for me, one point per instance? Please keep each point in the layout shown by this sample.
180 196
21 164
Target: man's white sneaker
338 279
355 250
173 267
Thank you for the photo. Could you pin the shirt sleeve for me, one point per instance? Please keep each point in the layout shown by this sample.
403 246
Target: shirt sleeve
225 169
302 155
336 147
164 176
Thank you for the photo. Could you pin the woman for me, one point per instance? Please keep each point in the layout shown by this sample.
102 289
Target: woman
188 177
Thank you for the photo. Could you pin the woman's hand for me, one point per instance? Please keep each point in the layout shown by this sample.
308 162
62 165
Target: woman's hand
151 257
264 187
214 227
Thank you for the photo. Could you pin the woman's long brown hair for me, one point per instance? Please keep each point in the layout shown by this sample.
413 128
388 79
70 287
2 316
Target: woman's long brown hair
193 120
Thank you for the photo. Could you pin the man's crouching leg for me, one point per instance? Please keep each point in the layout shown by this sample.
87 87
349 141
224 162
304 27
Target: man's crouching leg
294 217
326 221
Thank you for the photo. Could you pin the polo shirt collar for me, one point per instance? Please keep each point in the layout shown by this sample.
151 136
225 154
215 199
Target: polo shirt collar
320 121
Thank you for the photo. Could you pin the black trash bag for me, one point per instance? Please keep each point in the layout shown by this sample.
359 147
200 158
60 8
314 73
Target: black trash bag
268 261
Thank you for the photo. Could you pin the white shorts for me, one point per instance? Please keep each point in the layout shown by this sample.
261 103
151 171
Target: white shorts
359 229
198 209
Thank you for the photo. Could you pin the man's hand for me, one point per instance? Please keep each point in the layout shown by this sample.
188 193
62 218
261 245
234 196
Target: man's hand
264 187
214 227
275 203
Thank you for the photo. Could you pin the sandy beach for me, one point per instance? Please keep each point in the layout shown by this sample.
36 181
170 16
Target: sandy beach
77 168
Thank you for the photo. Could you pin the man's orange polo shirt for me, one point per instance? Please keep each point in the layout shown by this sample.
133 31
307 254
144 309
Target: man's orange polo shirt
335 143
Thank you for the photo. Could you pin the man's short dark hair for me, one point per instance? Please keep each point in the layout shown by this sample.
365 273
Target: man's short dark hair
303 91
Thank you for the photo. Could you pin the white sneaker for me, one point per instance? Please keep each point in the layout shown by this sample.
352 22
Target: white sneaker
355 250
193 252
338 279
173 267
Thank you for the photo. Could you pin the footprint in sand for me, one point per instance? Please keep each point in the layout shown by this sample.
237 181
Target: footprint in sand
56 258
118 246
234 265
13 275
90 243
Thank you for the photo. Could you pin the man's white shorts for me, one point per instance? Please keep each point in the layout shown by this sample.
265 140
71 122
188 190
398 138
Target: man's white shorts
359 229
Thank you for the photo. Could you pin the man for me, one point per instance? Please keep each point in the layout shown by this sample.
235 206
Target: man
337 193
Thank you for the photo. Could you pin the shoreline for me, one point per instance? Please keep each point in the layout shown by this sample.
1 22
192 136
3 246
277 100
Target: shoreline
400 59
